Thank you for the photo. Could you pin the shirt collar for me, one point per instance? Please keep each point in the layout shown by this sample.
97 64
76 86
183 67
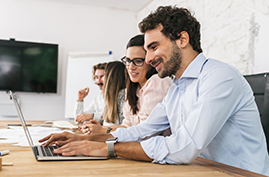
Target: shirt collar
194 69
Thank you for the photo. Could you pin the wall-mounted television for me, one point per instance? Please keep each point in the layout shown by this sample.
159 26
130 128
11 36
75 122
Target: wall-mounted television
28 66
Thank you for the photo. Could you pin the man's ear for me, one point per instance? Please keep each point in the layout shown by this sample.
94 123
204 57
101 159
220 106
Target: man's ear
183 41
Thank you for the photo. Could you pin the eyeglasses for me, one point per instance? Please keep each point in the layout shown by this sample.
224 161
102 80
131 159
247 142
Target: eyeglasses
136 61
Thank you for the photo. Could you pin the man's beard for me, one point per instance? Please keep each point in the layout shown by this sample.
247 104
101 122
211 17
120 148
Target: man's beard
172 65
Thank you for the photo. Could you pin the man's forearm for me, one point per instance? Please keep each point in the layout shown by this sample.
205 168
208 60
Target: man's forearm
131 150
100 137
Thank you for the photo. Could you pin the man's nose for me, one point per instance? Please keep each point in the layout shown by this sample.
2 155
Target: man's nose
149 57
99 79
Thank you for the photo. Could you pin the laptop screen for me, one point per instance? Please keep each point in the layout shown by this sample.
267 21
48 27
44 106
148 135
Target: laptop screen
18 108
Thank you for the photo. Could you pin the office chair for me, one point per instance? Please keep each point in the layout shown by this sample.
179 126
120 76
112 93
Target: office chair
260 86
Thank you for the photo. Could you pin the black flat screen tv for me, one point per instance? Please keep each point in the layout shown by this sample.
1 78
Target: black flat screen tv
28 66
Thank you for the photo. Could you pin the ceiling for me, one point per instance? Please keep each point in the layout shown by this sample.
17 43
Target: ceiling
132 5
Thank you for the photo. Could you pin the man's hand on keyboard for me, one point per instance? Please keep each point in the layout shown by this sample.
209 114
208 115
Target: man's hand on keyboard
88 148
60 139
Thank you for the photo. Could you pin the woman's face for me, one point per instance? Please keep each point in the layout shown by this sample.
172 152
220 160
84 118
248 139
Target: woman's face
137 73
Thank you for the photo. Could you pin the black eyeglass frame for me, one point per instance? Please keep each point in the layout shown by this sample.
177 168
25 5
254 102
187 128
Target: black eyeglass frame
124 61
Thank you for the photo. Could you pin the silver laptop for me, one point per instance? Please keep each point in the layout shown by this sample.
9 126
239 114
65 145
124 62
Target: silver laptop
41 152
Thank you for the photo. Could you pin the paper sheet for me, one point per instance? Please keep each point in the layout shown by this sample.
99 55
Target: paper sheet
16 134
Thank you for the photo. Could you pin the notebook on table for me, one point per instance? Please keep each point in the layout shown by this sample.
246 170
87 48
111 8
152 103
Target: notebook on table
43 153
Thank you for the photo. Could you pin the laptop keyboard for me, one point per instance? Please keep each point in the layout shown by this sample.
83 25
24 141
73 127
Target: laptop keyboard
47 151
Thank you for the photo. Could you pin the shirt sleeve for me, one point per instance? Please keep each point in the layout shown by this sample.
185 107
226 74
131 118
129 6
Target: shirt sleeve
97 114
155 123
127 115
220 92
152 94
79 106
89 110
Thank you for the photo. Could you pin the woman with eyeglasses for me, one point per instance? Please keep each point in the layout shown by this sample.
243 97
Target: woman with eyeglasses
144 88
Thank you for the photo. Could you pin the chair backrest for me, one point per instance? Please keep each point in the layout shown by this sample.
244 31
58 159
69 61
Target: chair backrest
260 86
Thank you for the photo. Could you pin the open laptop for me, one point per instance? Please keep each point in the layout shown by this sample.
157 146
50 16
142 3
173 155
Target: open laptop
43 153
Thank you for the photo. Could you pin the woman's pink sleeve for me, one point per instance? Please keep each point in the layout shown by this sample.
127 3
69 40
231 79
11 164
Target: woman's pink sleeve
153 93
126 113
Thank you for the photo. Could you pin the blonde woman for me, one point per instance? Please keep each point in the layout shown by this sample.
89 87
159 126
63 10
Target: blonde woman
114 95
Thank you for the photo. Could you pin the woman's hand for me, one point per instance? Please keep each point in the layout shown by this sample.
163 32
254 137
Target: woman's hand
84 117
92 127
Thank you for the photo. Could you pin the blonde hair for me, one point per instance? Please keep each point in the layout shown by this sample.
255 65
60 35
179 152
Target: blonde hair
114 82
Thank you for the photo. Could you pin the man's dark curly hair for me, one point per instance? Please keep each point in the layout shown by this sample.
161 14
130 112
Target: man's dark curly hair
174 20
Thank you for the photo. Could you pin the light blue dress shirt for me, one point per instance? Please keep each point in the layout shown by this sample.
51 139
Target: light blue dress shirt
212 113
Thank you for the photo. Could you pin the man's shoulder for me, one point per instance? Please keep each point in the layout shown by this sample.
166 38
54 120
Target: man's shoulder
214 63
217 66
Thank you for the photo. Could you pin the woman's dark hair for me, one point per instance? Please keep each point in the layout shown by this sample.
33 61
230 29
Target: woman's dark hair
174 20
137 40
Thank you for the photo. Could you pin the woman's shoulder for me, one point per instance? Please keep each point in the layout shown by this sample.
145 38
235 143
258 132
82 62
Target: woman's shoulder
155 79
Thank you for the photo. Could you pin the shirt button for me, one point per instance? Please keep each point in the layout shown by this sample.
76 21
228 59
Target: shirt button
180 114
181 91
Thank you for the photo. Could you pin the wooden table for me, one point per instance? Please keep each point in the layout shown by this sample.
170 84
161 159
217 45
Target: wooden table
25 164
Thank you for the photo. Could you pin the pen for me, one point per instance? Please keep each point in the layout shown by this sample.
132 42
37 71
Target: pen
3 138
4 152
17 124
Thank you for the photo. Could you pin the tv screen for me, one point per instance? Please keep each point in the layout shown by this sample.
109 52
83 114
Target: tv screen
28 66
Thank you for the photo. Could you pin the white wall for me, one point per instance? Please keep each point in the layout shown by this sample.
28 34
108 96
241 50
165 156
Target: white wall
75 28
234 31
